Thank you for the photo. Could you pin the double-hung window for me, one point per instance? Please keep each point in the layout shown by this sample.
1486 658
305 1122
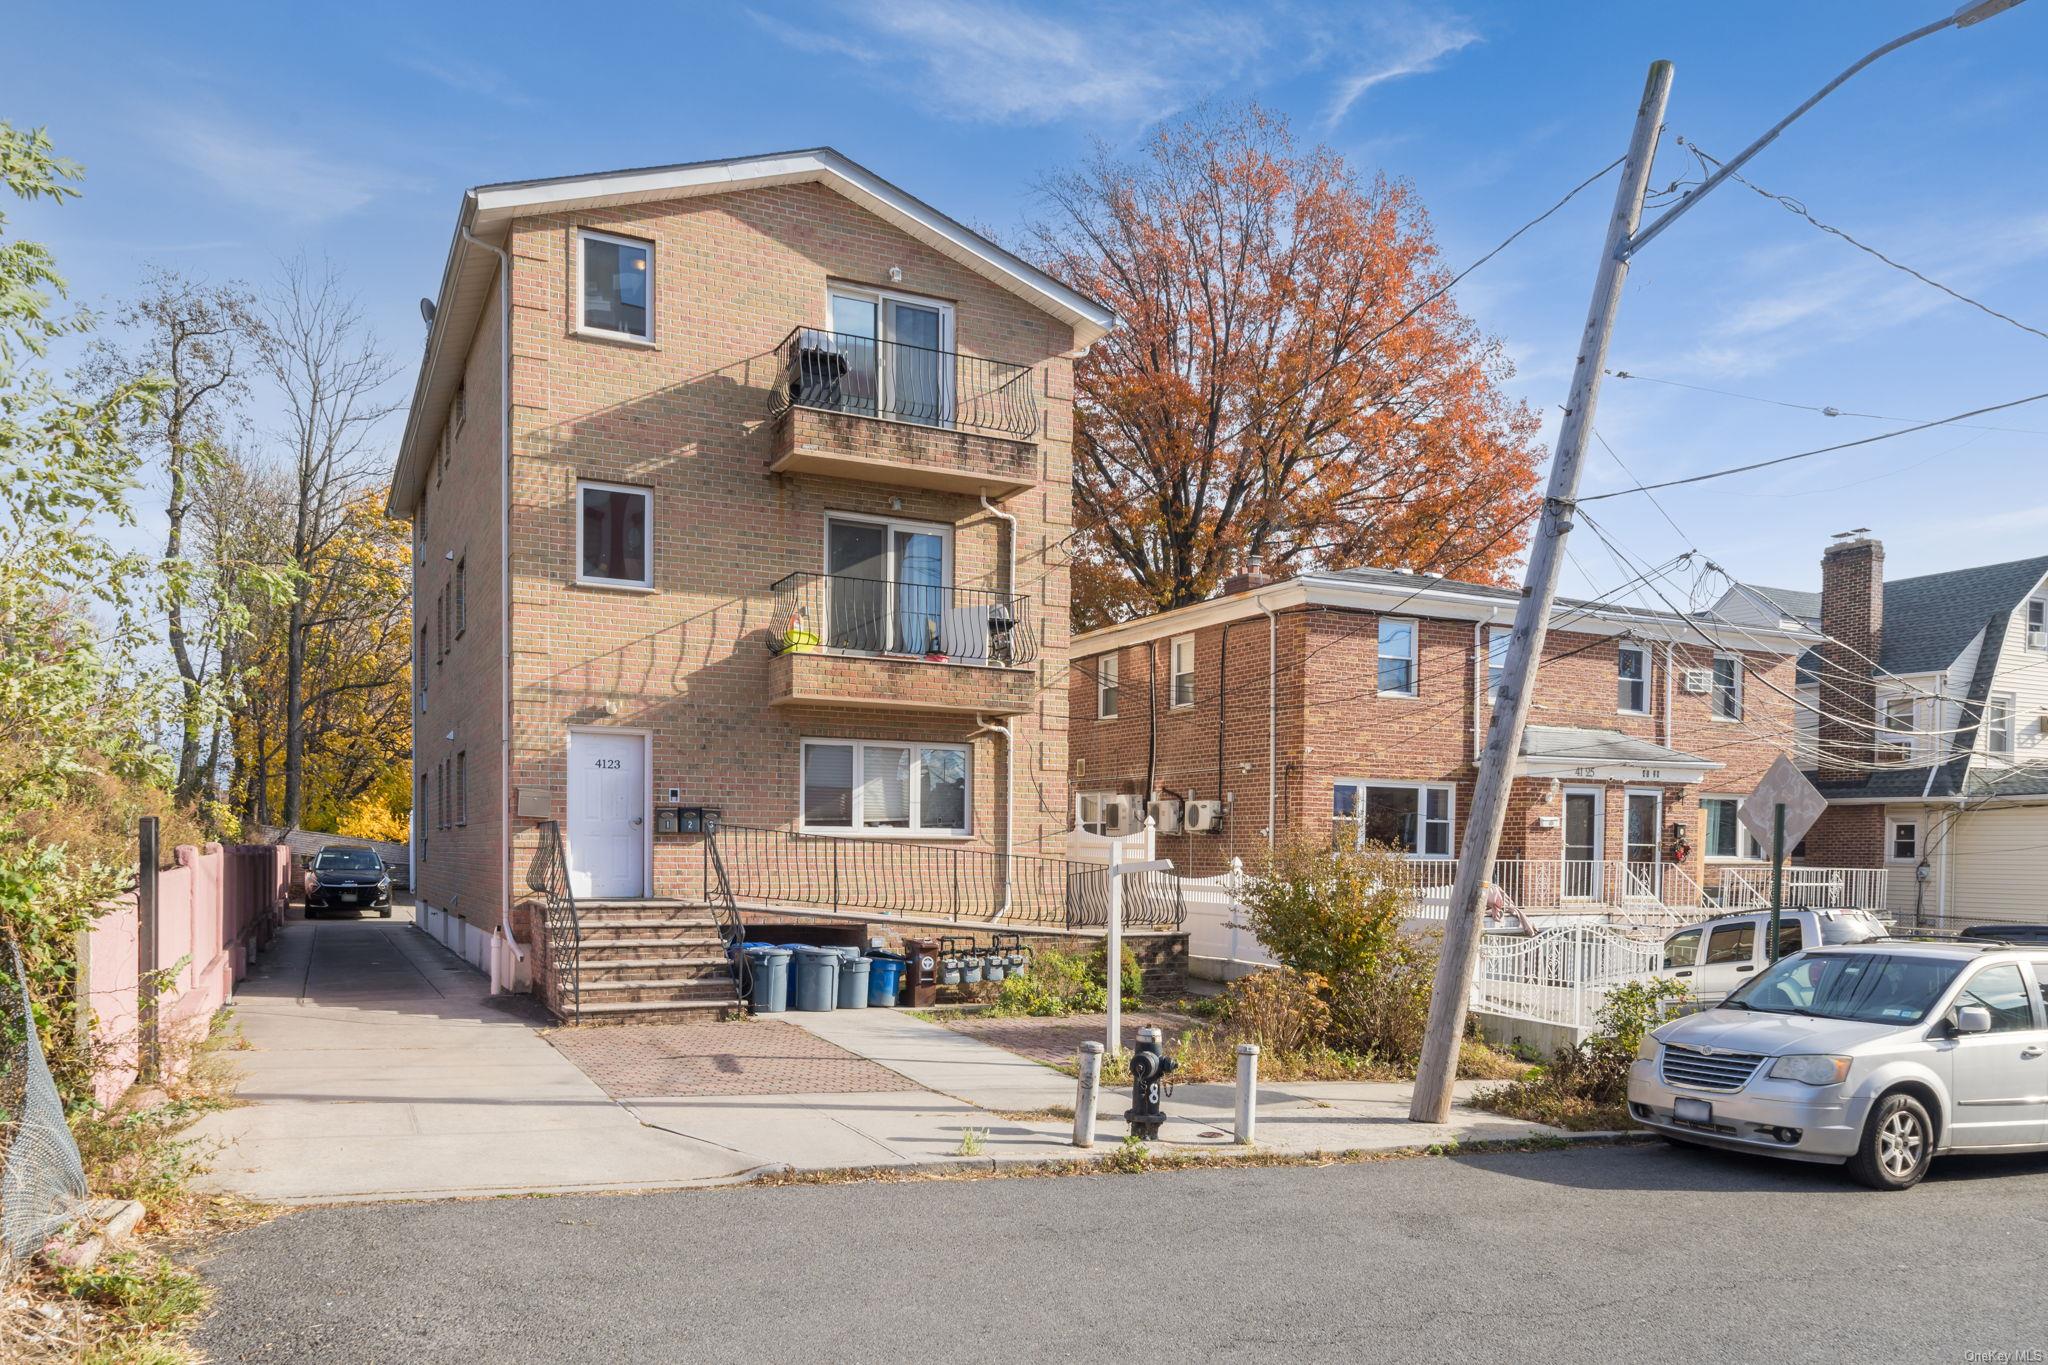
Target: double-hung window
884 787
1497 638
1105 687
1727 696
1397 657
1181 672
1902 841
1632 685
1726 836
1998 725
1897 739
616 295
2037 623
1410 817
614 523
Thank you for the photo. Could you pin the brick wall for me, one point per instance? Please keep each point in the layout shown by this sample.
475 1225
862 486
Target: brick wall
1852 618
689 418
1333 726
1847 836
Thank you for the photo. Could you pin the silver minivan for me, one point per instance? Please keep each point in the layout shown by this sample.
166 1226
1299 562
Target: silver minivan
1878 1055
1714 958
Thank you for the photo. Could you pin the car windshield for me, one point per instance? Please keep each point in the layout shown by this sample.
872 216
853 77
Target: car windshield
346 860
1839 929
1875 988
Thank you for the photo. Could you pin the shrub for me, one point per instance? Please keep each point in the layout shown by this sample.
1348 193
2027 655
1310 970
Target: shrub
1587 1086
1281 1011
1061 983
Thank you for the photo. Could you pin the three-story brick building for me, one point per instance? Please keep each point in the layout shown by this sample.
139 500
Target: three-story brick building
735 485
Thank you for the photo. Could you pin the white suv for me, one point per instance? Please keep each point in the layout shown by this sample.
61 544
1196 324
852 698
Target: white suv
1714 958
1880 1055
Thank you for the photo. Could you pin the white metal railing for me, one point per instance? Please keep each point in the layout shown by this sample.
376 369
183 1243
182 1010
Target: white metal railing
1559 976
1806 888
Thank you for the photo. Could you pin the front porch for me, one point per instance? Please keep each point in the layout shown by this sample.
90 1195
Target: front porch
1555 892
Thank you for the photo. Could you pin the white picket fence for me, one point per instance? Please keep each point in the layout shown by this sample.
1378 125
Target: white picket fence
1558 976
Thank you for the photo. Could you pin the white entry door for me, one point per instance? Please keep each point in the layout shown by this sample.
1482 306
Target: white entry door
607 830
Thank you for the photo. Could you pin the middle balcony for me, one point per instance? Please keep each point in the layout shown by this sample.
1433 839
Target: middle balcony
914 646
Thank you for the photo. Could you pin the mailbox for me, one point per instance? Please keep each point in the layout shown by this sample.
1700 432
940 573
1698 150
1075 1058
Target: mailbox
667 820
698 819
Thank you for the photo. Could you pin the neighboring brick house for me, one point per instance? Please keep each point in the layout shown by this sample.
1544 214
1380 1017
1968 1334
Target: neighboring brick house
1359 700
1924 719
753 503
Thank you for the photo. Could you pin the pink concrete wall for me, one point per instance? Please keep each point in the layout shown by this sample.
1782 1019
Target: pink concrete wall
215 910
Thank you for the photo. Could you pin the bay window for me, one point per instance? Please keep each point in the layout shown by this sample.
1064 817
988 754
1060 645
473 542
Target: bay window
885 787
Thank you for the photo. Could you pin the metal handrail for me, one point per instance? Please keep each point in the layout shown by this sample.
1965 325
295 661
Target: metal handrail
891 876
725 908
548 876
840 613
866 377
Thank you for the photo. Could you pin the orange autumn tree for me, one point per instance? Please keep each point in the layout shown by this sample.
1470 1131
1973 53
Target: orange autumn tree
1289 382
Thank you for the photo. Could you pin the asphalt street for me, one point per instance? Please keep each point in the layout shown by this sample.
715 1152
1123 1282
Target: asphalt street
1639 1252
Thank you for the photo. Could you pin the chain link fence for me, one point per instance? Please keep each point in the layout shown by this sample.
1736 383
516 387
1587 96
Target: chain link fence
42 1180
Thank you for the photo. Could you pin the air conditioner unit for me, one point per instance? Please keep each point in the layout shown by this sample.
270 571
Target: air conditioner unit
1165 814
1699 681
1121 815
1205 817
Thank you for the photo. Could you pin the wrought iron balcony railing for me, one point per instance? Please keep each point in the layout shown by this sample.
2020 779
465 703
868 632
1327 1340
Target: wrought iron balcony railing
874 616
839 372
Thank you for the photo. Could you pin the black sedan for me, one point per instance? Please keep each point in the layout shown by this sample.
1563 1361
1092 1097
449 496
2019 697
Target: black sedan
347 879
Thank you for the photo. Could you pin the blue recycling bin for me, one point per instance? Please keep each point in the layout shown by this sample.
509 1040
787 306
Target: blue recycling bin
853 982
885 977
817 979
769 967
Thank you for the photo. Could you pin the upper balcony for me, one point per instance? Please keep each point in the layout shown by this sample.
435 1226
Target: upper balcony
852 407
917 646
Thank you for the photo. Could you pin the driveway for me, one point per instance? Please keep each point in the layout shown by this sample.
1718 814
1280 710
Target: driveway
1590 1253
378 1067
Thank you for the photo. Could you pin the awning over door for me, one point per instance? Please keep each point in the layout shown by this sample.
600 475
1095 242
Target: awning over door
1605 756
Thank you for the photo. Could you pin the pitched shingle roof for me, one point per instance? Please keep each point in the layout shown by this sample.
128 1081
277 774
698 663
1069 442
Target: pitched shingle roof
1791 601
1931 619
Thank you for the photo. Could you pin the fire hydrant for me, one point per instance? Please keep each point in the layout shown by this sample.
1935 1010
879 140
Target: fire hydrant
1150 1066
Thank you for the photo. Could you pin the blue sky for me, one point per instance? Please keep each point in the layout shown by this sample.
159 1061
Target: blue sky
219 138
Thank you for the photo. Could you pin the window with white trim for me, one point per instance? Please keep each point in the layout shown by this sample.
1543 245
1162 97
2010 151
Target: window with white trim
1727 695
1497 638
1411 817
1397 657
1895 744
885 787
1726 835
614 525
1902 841
1088 811
616 298
1998 712
1632 680
1181 672
1106 669
2037 623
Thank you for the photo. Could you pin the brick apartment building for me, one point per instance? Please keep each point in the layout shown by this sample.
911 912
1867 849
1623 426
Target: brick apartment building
1359 700
734 485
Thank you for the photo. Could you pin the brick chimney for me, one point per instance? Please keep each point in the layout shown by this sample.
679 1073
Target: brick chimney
1852 617
1251 577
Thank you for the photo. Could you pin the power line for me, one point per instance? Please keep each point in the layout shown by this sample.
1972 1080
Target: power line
1809 454
1792 205
1824 409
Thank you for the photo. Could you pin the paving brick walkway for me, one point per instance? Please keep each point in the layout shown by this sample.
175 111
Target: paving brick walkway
1057 1042
743 1057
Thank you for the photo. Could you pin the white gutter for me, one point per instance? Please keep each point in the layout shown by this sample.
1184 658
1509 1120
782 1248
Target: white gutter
504 599
1009 582
1670 697
1482 665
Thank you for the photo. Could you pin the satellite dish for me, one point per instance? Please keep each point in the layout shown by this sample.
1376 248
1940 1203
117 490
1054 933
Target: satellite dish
427 311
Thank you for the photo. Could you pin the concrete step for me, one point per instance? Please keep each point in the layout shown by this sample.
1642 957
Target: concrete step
605 1011
637 937
623 912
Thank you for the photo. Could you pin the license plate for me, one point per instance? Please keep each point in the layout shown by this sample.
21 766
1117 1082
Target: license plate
1692 1111
348 898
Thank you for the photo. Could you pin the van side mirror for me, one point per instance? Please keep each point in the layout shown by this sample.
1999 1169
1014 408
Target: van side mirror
1972 1019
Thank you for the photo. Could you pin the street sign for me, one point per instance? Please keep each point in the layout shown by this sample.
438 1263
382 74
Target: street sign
1784 785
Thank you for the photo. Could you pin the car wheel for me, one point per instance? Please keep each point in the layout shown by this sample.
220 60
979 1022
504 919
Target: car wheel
1897 1147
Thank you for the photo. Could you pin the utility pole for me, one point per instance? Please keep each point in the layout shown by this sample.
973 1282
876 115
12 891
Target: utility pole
1439 1066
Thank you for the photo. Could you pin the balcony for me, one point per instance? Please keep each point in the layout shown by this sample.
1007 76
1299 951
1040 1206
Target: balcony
914 646
852 407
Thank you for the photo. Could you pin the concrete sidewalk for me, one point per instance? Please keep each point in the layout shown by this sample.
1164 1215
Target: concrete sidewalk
379 1068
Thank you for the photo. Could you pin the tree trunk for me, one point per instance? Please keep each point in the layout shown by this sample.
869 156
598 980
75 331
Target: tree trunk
294 714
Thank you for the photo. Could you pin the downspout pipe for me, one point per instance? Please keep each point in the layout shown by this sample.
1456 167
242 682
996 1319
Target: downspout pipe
985 726
1272 718
504 606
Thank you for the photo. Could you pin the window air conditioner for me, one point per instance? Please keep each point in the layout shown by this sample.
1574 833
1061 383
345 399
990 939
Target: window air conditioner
1699 681
1205 817
1165 814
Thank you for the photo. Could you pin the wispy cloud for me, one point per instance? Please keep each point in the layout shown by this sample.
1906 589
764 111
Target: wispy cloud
1121 63
463 76
258 168
1406 45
